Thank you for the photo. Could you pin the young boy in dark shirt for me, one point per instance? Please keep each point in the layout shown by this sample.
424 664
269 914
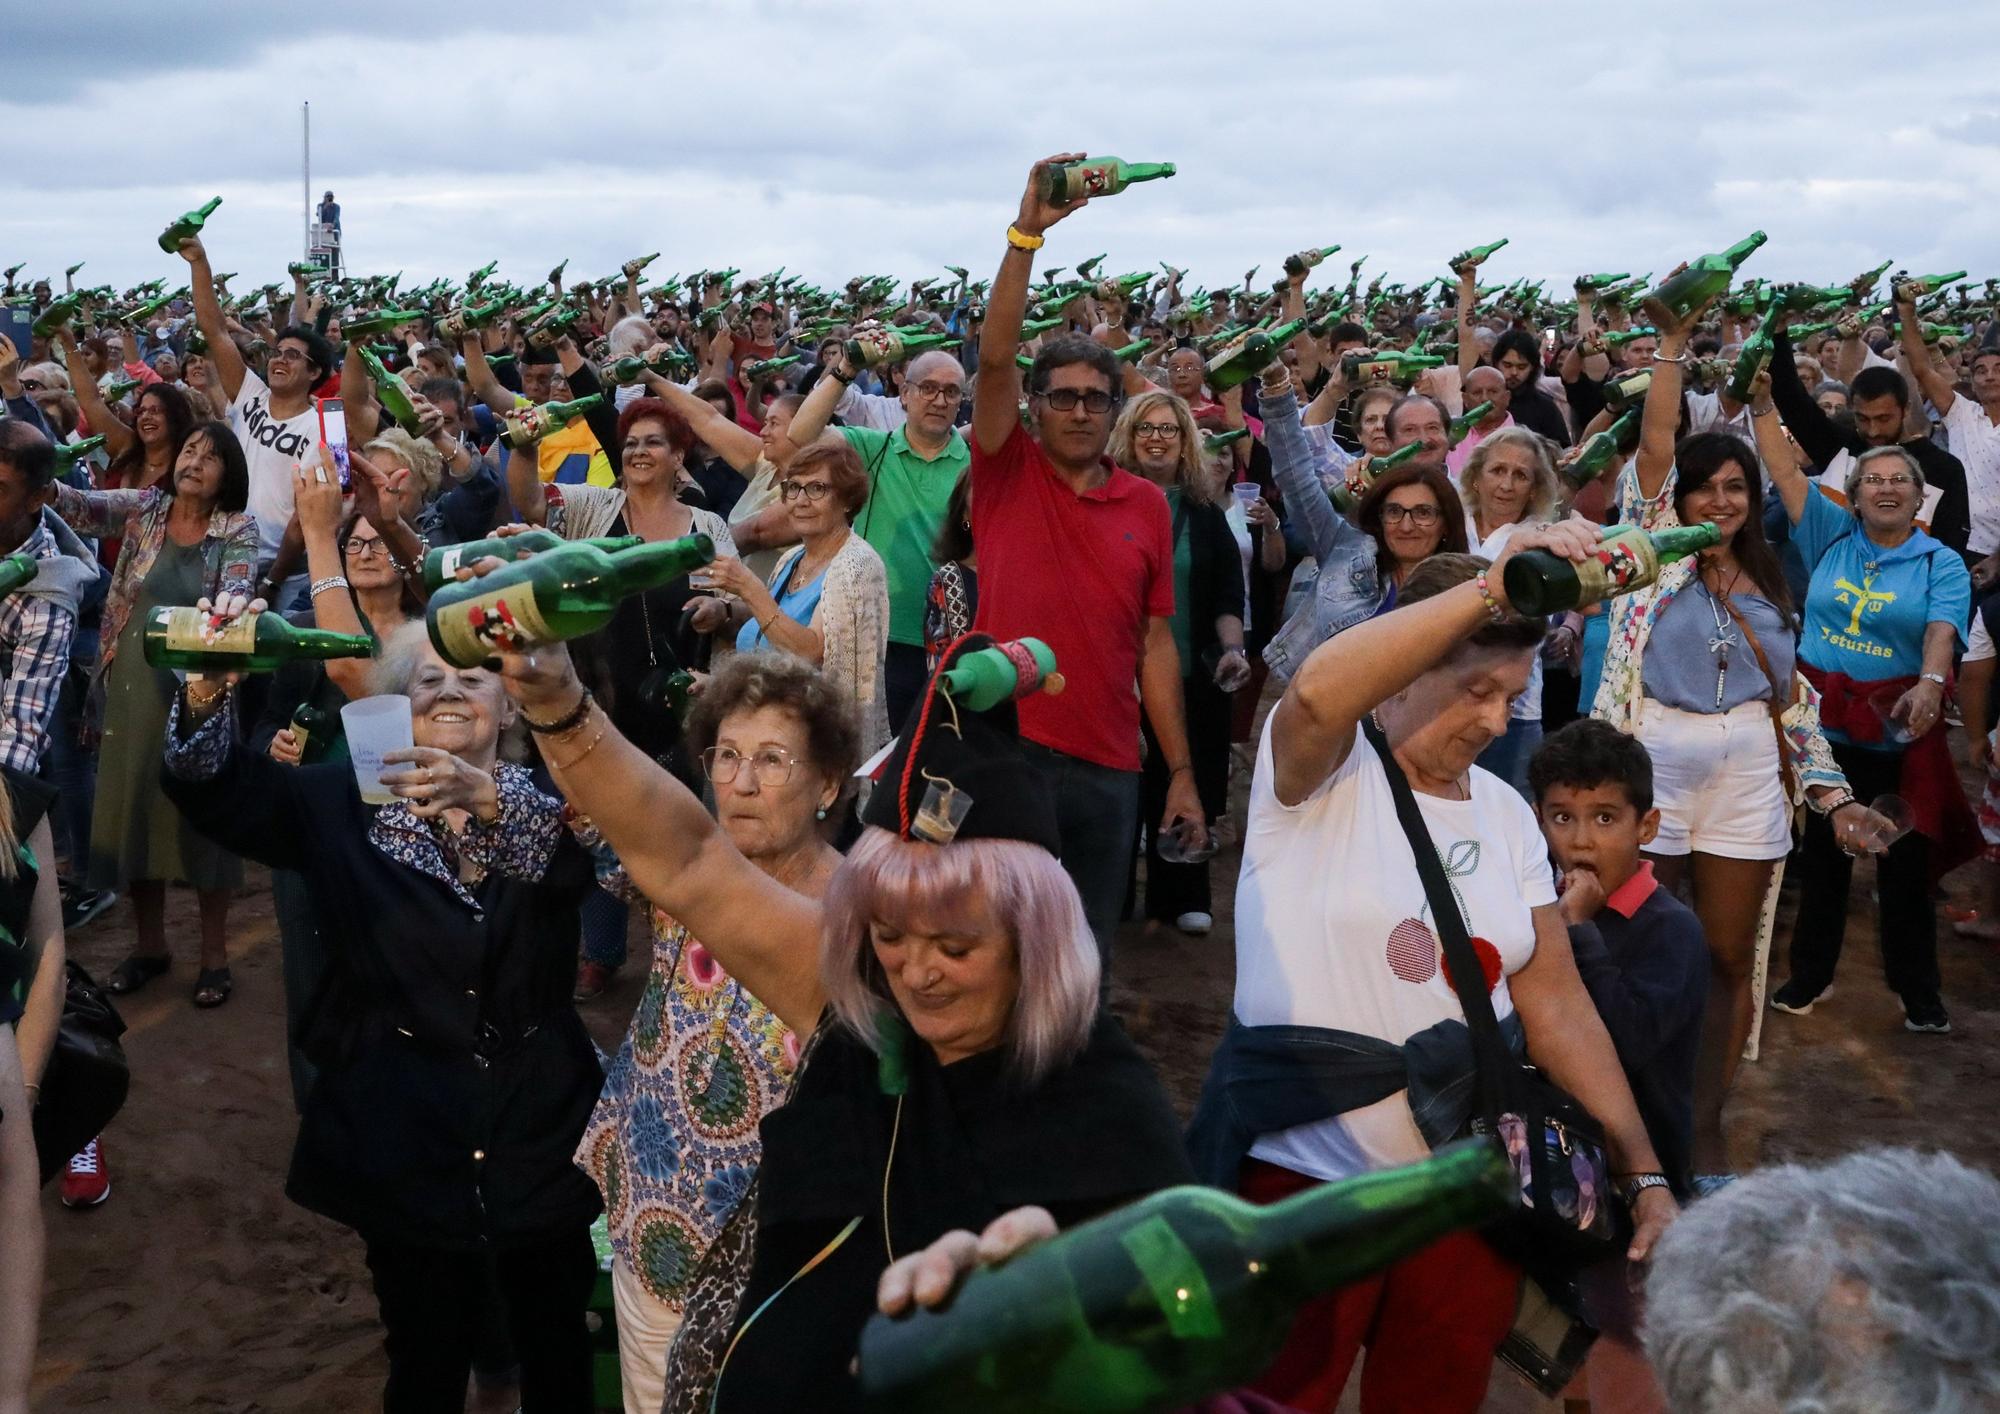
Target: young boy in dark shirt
1644 960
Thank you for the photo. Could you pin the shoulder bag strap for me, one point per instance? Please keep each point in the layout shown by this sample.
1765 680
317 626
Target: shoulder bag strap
1778 691
1468 979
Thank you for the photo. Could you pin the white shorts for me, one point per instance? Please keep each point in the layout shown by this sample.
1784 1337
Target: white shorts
1716 782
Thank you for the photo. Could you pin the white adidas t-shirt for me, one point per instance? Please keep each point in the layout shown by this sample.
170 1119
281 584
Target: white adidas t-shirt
273 449
1332 929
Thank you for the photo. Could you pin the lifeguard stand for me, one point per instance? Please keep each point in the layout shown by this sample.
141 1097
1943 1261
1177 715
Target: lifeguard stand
323 248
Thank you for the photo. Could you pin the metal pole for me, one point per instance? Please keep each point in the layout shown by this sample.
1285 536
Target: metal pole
305 175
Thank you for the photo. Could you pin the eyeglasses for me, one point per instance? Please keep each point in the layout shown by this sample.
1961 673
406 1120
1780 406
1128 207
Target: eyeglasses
285 355
938 392
1423 517
1156 429
811 490
360 547
1876 483
769 766
1066 399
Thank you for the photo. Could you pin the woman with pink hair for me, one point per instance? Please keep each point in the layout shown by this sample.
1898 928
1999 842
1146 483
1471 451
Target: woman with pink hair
959 1070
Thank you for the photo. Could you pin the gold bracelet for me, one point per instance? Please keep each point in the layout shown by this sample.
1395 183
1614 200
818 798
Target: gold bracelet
577 759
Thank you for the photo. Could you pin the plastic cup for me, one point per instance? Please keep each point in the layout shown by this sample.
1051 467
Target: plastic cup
376 726
1246 493
1883 703
1175 844
1893 819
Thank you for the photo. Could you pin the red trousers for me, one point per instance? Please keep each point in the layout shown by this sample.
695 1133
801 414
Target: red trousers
1431 1324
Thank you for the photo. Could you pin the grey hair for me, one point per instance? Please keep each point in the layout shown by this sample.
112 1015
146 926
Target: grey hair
408 648
1544 497
426 462
1866 1284
1854 472
630 335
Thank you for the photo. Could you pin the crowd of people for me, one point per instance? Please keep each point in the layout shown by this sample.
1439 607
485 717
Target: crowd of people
1269 536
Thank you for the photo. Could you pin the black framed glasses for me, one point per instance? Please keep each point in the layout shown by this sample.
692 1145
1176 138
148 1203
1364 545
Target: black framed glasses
361 546
938 392
769 765
813 491
1094 402
1423 517
1161 430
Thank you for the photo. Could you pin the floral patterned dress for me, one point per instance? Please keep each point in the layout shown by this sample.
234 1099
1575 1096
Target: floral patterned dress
673 1143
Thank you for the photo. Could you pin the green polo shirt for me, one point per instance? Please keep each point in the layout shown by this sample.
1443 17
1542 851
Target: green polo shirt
905 507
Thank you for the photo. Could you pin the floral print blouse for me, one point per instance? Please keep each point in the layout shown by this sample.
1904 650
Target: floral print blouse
674 1143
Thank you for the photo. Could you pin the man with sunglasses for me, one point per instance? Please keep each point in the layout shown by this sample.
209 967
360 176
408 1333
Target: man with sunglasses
914 455
1078 552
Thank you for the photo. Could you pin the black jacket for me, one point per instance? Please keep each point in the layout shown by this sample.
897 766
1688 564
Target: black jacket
1215 577
455 1076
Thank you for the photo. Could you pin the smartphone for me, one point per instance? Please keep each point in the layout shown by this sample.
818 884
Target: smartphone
18 325
333 432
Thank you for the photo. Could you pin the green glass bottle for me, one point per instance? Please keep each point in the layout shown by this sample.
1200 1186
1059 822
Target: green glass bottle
1120 287
255 643
188 227
1627 558
1627 390
1619 338
556 274
480 276
1065 182
1864 284
1216 441
1403 366
57 316
559 594
17 570
1706 277
1032 327
68 454
313 728
1132 352
11 271
442 564
1597 282
1244 359
1306 259
529 425
987 677
391 391
1460 427
1181 1295
369 326
638 263
1755 355
1801 332
765 367
462 319
1472 259
1364 472
552 325
877 346
1799 298
1598 452
1913 287
120 388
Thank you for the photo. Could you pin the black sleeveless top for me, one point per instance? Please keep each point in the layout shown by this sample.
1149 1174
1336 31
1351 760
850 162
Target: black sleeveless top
29 800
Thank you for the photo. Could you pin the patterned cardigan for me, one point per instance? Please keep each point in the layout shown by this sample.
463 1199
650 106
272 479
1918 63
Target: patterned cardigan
1621 690
853 618
228 550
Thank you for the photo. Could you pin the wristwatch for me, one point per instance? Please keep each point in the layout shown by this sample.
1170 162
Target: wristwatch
1639 1182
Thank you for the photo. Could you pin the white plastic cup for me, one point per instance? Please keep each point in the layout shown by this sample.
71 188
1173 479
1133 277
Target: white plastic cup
376 726
1246 493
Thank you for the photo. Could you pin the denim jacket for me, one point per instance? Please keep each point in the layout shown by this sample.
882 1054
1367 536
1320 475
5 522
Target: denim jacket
1345 587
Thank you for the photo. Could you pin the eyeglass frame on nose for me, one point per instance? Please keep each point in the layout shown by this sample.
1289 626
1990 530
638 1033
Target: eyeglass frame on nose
712 758
1095 401
1875 483
1161 430
813 491
938 392
359 547
1422 517
285 354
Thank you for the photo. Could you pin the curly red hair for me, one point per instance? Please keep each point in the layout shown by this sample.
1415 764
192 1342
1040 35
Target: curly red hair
680 436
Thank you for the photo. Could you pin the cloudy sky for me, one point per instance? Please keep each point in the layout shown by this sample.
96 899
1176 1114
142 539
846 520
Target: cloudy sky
836 138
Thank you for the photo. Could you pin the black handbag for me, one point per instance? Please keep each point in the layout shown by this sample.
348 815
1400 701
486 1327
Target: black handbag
87 1076
1568 1217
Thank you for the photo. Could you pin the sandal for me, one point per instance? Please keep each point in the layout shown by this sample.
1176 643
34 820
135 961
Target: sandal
212 987
135 972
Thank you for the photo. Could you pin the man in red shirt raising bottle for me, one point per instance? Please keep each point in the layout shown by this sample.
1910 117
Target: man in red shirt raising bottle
1079 553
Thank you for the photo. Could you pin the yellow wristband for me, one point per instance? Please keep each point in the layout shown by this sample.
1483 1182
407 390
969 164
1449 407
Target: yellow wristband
1021 240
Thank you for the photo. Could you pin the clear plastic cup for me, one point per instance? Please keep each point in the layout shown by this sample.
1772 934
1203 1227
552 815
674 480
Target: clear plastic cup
1891 819
1175 844
1246 493
374 727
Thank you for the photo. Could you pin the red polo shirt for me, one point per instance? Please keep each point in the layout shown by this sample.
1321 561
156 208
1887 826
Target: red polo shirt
1081 573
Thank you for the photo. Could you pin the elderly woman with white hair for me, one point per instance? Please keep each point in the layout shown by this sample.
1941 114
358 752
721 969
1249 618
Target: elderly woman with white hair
454 1076
1507 483
959 1066
1868 1284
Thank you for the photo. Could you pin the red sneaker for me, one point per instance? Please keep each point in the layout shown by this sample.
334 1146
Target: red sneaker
86 1182
591 980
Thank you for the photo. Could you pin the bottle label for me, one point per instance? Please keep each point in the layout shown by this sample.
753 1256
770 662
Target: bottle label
1623 562
878 345
1174 1275
1087 179
504 620
185 633
448 561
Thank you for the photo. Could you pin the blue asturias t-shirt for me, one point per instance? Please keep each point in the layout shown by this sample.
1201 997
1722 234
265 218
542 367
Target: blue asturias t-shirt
1868 606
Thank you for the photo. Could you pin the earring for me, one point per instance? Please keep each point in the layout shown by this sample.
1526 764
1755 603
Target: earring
820 814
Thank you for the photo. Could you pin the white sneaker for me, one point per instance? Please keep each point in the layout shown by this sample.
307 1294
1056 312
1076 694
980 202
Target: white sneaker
1194 924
